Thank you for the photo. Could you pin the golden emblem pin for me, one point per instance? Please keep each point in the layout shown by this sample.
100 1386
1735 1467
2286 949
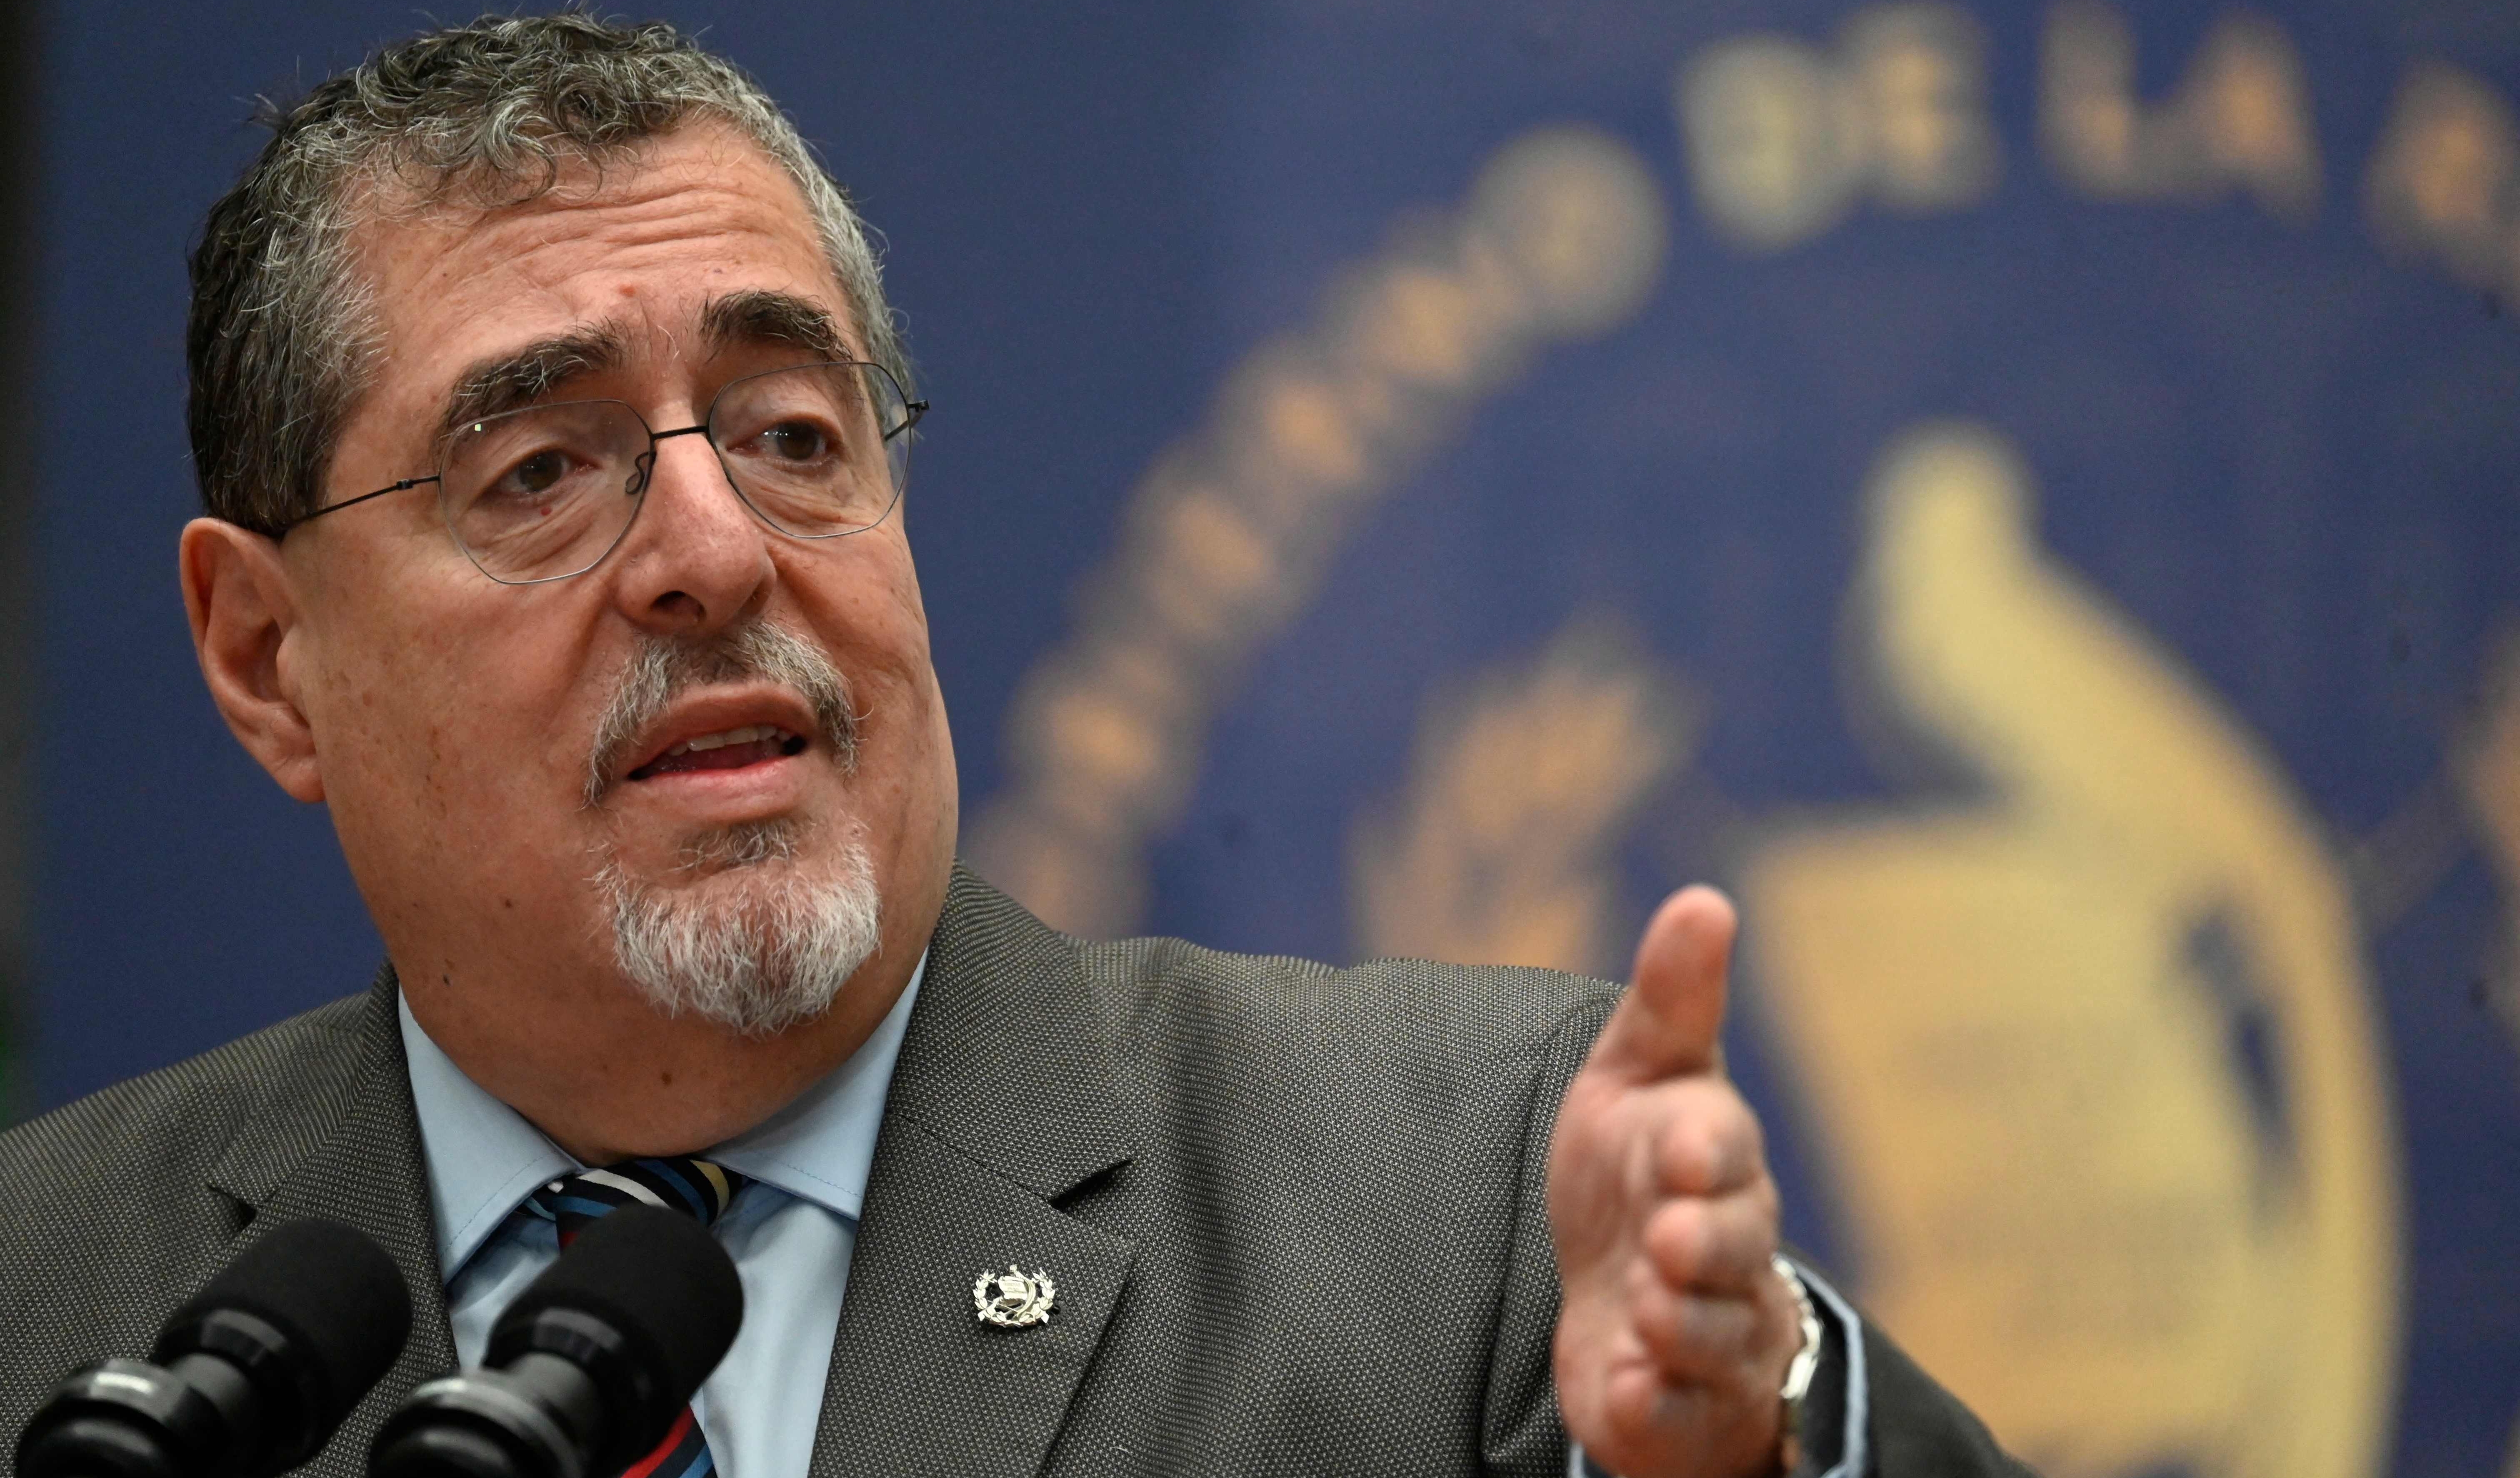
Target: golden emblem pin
1014 1300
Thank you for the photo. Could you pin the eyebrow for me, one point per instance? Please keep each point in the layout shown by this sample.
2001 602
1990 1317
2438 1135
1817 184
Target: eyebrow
516 379
522 377
761 315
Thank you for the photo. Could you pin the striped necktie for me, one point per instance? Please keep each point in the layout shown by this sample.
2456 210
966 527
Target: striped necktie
695 1188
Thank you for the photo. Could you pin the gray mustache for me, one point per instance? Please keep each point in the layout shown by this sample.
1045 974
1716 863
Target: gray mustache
665 668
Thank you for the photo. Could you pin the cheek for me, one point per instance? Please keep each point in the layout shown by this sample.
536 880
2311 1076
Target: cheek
864 603
457 716
866 609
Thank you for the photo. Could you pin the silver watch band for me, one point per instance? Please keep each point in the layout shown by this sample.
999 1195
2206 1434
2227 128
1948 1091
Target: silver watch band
1806 1360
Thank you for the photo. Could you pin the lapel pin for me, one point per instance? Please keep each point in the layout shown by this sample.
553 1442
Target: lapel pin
1012 1301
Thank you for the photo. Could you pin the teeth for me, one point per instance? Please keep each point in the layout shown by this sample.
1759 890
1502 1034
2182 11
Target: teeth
750 734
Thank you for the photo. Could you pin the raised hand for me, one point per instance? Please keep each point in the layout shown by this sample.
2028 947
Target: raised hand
1676 1331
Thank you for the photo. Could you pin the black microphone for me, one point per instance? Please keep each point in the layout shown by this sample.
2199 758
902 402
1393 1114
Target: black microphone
246 1380
588 1369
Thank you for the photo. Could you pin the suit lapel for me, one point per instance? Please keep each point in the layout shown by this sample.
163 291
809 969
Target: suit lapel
1003 1100
363 1165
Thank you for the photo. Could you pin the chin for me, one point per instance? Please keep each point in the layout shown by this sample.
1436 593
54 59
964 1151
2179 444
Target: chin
746 931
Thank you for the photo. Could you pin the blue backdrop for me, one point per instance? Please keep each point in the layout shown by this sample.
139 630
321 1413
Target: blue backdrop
2023 494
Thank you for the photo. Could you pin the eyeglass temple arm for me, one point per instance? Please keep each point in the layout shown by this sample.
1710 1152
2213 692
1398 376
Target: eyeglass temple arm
404 486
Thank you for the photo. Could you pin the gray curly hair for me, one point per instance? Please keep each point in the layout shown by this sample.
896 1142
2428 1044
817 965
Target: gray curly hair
281 338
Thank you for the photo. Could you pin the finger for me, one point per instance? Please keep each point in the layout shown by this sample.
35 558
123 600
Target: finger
1668 1022
1709 1142
1718 1246
1693 1337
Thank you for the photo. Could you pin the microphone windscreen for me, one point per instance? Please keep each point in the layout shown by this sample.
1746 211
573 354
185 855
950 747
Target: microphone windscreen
660 1281
332 1292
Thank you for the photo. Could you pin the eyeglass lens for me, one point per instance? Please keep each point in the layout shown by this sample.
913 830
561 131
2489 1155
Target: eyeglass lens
547 491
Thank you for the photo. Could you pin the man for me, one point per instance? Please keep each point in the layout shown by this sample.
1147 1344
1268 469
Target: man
550 427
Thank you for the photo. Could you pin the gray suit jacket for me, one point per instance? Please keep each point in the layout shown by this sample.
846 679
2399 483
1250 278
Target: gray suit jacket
1295 1214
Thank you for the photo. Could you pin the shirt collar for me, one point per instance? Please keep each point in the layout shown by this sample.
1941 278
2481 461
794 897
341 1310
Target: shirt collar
484 1157
820 1147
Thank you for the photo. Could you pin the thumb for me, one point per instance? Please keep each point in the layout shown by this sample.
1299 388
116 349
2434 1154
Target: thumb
1669 1021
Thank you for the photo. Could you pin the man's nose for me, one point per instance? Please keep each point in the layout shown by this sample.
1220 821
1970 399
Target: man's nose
696 559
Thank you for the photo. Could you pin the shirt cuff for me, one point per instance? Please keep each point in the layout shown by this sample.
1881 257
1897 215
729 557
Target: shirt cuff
1837 1413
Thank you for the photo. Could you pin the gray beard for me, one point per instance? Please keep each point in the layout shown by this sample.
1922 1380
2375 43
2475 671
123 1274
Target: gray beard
756 955
760 952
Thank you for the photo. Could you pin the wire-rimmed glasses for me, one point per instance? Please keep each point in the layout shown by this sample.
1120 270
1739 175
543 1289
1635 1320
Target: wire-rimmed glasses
543 493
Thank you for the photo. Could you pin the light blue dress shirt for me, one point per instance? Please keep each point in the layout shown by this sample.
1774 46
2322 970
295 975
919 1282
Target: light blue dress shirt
791 1232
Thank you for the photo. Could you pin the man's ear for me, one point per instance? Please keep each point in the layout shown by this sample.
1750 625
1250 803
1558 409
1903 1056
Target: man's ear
242 608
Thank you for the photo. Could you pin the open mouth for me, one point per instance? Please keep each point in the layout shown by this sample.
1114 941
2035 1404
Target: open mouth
726 750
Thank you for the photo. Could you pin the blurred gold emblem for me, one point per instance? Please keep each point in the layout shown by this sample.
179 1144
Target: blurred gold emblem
2081 1032
2087 1033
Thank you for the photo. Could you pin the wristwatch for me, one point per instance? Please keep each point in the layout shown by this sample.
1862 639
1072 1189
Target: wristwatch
1798 1379
1805 1364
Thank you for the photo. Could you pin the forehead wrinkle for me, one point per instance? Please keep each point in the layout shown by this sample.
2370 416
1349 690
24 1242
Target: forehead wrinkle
633 211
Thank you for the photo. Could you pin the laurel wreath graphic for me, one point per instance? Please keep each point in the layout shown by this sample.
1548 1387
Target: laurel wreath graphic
1525 782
